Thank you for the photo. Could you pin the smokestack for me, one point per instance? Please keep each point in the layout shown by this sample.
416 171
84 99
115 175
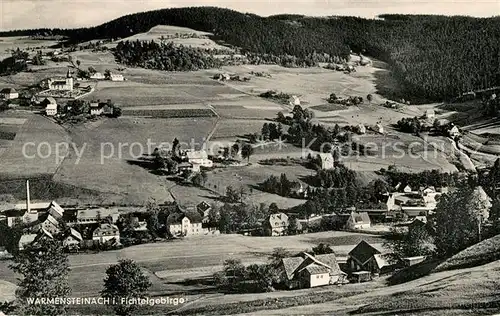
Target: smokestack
28 208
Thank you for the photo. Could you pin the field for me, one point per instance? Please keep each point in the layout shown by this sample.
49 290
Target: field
229 128
39 134
177 35
8 43
112 159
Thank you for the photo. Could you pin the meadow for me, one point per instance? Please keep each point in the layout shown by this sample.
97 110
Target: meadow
169 259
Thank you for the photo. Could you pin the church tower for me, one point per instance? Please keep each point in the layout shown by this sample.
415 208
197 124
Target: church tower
69 80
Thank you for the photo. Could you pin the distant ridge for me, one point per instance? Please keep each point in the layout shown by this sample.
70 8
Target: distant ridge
433 58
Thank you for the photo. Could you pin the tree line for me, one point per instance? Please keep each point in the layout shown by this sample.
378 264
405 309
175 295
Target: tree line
432 57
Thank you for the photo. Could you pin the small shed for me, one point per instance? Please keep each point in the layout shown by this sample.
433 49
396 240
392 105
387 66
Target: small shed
361 276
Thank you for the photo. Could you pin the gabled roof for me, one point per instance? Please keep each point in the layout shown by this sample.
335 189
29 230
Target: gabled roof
198 154
276 220
55 210
363 252
313 264
381 261
290 265
8 90
316 269
203 207
93 212
176 218
361 217
106 226
27 239
51 100
74 233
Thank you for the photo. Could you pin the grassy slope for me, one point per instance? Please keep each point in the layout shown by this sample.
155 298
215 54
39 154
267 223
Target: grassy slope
472 291
484 252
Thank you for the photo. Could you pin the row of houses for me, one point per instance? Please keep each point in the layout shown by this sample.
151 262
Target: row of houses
96 108
278 224
51 223
362 264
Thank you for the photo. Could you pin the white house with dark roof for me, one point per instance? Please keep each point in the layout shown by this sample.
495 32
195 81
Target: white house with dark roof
72 239
276 225
311 271
93 215
204 209
198 159
98 76
185 224
96 108
106 232
9 94
50 106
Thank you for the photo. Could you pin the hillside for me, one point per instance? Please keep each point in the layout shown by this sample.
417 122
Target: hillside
481 253
432 57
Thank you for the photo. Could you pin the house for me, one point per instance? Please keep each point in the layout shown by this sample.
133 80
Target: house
454 131
294 100
411 261
276 225
96 108
312 271
222 77
28 239
361 276
98 76
107 109
360 258
51 224
391 203
65 84
50 106
326 160
4 254
94 215
297 190
9 94
25 240
185 224
358 220
106 232
72 239
430 114
199 158
116 77
379 128
204 209
17 217
361 129
407 189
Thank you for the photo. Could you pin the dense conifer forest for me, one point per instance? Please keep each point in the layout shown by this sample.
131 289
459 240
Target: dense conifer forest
432 57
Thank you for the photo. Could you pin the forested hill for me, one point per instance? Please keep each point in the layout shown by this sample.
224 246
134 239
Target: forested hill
433 57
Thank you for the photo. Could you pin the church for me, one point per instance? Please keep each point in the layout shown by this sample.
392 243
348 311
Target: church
65 84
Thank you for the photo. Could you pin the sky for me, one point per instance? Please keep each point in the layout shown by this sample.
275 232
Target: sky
25 14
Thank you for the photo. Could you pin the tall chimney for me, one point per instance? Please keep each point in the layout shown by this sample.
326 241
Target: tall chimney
28 207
